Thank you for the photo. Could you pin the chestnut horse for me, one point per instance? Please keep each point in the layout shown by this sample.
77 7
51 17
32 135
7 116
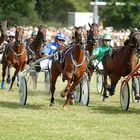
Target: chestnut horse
14 55
121 63
38 43
75 65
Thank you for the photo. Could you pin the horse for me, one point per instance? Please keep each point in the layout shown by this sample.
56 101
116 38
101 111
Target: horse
3 43
123 61
74 66
38 43
3 29
92 43
92 37
14 55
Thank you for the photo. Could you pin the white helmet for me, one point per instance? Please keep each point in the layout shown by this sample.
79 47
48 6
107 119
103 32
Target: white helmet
11 33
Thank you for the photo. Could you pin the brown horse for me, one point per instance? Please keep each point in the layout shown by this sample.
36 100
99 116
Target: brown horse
75 65
3 29
92 37
121 63
92 42
38 43
14 55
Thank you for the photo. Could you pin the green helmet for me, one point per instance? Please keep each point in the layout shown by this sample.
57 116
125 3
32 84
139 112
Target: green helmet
106 37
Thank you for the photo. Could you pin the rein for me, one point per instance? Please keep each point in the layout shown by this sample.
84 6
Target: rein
75 65
17 54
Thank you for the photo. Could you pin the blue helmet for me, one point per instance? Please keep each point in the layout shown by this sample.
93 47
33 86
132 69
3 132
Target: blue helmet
60 35
34 33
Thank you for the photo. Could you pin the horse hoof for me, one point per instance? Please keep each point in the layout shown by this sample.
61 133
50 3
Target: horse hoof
111 93
62 94
51 104
137 97
2 87
8 80
10 90
64 107
71 101
104 99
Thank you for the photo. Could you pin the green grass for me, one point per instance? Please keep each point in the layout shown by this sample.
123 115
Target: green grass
37 121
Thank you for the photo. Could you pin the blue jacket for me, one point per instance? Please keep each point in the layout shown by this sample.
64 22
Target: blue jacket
50 48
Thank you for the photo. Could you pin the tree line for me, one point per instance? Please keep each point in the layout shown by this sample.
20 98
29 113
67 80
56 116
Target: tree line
55 12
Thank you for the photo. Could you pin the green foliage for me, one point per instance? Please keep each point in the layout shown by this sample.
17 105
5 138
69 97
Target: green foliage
18 12
126 16
54 10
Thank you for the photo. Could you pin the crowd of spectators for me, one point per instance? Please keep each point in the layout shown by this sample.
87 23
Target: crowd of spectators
118 36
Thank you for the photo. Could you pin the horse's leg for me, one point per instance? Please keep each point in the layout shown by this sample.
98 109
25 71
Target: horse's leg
114 81
64 92
70 95
4 66
8 74
54 76
13 79
105 96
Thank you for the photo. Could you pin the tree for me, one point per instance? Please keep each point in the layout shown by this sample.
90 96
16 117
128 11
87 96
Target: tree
123 16
18 11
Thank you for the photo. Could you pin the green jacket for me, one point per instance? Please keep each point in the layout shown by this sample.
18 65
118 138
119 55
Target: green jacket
100 51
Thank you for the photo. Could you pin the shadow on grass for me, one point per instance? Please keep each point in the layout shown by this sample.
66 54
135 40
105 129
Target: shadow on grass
108 109
15 105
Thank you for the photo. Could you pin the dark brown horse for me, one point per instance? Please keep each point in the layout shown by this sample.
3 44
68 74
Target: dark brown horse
92 42
75 65
121 63
92 37
38 43
14 55
3 29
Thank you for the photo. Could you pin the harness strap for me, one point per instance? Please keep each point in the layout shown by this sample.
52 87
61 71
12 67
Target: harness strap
75 65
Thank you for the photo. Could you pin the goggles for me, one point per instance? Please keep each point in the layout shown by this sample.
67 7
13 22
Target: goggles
61 40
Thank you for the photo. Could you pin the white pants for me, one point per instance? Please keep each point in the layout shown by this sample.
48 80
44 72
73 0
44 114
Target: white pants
98 64
46 64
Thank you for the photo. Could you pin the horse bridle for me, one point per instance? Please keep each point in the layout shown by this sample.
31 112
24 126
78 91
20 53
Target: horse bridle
134 45
81 40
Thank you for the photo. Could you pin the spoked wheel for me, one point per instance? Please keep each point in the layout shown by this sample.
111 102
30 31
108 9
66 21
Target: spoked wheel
47 81
137 89
124 96
99 82
33 79
77 93
85 89
22 90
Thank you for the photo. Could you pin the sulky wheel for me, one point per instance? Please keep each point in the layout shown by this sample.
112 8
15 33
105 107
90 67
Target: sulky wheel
22 90
124 95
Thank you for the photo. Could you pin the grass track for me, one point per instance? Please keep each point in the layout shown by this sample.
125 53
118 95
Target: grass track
37 121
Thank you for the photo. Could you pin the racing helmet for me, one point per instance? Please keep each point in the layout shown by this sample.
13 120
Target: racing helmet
107 37
60 35
34 33
11 33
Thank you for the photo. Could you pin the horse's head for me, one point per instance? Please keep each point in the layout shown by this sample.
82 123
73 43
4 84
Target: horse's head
134 40
3 26
80 36
19 34
41 35
92 37
93 33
